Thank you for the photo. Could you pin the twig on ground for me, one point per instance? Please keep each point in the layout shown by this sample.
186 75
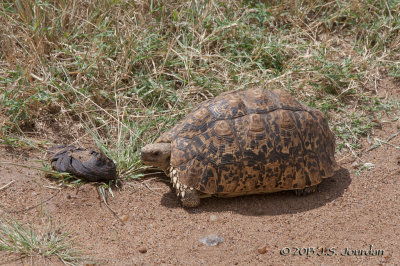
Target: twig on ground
149 188
103 197
7 185
51 187
354 154
29 167
380 142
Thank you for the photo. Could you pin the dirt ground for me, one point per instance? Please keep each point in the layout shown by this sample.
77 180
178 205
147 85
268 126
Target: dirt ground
349 211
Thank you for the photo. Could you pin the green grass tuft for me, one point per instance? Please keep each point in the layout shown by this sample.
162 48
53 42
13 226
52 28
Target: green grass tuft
27 241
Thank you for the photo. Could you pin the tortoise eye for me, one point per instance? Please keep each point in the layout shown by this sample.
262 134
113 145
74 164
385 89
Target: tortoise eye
156 153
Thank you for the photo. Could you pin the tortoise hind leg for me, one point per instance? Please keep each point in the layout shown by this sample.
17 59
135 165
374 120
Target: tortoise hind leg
305 191
191 198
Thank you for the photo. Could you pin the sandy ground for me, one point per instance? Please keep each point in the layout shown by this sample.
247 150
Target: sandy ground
349 212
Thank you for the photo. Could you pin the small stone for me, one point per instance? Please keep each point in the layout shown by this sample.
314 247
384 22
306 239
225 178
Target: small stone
369 166
211 240
124 218
262 250
213 218
355 165
142 250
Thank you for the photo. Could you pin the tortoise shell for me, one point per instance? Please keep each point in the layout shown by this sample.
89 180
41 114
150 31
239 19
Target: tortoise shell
252 141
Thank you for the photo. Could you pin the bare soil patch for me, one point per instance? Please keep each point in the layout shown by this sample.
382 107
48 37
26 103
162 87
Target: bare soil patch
352 210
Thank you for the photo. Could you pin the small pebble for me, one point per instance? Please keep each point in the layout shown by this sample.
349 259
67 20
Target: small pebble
142 250
211 240
124 218
369 166
262 250
213 218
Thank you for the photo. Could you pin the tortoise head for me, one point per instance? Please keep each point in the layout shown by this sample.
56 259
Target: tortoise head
157 154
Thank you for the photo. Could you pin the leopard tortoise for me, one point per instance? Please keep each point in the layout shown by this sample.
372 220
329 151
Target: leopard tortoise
245 142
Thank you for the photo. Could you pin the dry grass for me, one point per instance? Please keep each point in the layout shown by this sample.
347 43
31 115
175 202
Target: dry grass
124 71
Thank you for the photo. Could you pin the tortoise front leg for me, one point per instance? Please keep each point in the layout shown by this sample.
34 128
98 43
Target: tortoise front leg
190 198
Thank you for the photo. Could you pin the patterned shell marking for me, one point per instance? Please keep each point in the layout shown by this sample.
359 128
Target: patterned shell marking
254 141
